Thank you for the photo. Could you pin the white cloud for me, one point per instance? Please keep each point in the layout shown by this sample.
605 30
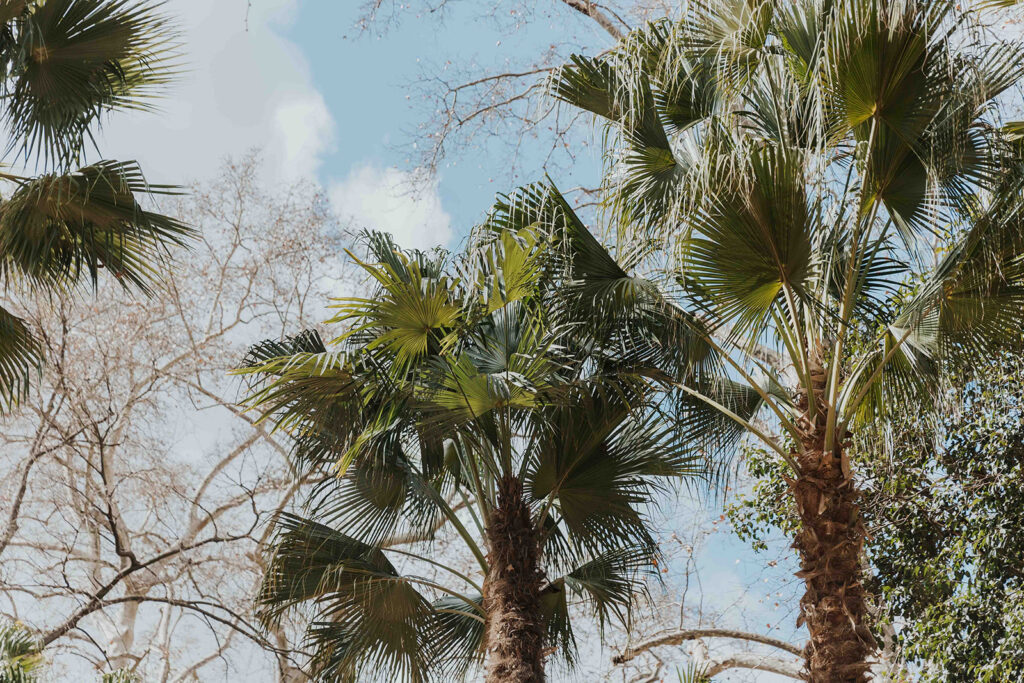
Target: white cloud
244 85
402 203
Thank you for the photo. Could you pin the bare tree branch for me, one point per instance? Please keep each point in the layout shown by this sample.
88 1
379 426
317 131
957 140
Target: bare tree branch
682 635
590 9
792 668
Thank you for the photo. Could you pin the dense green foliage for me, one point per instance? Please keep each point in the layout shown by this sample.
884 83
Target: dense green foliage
947 548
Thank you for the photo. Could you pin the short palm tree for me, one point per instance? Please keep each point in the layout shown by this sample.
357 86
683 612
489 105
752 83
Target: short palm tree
20 660
65 63
828 186
461 395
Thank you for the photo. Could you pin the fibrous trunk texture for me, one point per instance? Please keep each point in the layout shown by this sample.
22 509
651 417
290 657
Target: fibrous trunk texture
512 591
830 542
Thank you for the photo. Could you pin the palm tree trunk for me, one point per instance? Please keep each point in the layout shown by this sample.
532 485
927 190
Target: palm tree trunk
830 543
514 627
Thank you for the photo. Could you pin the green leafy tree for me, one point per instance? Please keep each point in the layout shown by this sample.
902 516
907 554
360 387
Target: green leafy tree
786 167
463 395
63 65
945 516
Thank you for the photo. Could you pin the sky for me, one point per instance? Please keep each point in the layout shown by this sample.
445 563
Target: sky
326 103
323 100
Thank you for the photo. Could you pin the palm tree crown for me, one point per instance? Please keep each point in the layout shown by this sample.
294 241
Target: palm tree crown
66 63
463 395
840 204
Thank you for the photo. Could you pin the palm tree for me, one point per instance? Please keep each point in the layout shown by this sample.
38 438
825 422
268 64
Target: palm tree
66 63
828 186
20 661
462 396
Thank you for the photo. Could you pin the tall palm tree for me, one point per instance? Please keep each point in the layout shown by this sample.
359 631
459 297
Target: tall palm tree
828 186
63 65
461 395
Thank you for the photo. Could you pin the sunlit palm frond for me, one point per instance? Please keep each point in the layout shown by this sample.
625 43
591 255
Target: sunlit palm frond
650 168
20 658
970 306
407 314
753 238
730 33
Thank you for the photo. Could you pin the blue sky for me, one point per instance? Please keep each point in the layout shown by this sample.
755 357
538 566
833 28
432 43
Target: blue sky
323 100
365 79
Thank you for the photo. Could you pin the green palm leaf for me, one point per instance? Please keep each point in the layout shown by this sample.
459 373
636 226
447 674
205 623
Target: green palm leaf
20 357
20 658
754 237
58 229
73 60
365 616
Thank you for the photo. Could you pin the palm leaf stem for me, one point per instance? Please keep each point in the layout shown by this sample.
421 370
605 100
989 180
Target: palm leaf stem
478 485
746 424
846 304
440 565
794 347
844 394
786 421
471 461
548 503
873 378
423 582
472 512
460 528
460 613
801 362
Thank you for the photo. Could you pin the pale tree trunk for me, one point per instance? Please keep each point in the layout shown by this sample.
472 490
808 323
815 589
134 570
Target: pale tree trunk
830 543
514 627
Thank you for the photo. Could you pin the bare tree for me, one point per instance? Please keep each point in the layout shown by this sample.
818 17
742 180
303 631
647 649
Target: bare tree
501 103
135 493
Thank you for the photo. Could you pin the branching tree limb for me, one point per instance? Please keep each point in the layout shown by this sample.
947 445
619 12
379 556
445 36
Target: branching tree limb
591 10
680 636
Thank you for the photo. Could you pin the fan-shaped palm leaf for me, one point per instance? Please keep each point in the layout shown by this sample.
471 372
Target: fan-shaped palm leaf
70 61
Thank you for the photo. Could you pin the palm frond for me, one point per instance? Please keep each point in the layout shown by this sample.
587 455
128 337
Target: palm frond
457 633
970 306
60 229
20 658
599 464
365 616
753 237
406 317
74 60
21 356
